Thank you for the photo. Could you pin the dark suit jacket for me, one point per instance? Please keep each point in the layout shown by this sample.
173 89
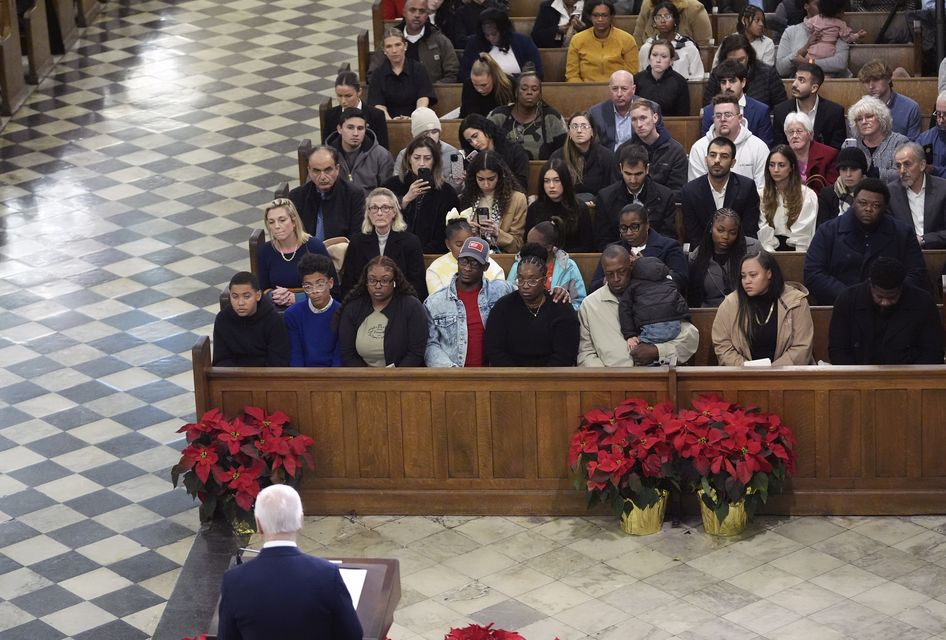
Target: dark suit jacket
342 213
699 206
602 119
402 246
376 122
829 125
289 595
914 333
934 210
840 255
657 199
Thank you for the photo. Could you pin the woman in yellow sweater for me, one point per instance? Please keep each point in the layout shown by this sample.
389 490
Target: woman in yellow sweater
596 53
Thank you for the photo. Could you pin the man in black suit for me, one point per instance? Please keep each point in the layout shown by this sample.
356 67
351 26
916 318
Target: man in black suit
719 188
635 186
829 124
285 593
329 207
918 198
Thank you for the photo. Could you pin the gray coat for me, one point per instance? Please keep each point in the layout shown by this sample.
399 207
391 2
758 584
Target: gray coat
373 166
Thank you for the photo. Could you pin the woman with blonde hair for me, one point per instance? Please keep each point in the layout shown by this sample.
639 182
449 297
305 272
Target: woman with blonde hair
590 165
486 88
384 233
277 260
789 209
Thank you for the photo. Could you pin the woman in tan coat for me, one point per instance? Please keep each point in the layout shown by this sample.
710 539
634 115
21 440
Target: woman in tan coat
765 317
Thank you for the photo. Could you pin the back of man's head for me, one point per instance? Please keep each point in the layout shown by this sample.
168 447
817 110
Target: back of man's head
278 510
887 273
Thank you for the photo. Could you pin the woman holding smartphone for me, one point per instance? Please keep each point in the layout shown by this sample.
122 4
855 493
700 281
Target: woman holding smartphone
499 208
424 196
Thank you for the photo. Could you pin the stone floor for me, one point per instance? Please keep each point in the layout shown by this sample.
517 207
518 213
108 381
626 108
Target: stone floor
129 183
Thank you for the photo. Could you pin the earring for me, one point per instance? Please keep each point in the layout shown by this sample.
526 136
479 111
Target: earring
394 284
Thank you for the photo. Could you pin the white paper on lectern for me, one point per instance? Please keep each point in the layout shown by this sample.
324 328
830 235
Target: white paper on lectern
354 579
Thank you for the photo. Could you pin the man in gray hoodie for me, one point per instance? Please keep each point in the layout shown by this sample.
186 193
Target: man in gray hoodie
362 161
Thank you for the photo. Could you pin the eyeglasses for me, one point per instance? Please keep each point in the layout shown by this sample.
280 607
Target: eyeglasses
579 126
624 228
939 115
662 17
384 208
530 282
796 132
315 286
724 116
382 282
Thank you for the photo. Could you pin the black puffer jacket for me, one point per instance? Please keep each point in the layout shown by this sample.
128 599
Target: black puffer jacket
650 297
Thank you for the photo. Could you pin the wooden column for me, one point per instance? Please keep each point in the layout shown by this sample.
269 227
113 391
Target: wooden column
12 79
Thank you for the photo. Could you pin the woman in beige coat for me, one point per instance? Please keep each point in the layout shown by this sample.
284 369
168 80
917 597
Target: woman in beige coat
765 317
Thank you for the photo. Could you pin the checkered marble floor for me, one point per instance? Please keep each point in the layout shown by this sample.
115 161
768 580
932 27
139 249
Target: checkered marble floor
129 183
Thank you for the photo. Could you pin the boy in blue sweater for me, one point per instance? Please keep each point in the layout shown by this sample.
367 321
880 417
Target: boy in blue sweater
313 342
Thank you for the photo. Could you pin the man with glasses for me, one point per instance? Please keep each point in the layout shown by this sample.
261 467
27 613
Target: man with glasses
313 341
329 207
919 199
601 343
827 117
751 152
731 76
459 311
843 248
933 140
636 186
594 54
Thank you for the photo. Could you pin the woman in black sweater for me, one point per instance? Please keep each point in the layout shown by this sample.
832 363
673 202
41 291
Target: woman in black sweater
557 203
381 322
425 198
486 88
384 233
591 166
527 329
661 84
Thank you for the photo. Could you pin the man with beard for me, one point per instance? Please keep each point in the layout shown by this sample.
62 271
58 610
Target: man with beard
719 188
919 199
843 248
827 117
728 122
885 320
601 343
933 140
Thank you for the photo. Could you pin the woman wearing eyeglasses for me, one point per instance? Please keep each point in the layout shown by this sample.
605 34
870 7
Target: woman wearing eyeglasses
526 328
384 233
278 259
591 166
381 322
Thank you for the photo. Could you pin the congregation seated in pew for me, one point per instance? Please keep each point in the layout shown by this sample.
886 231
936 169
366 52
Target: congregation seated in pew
496 37
500 208
612 118
872 127
829 127
561 271
659 82
834 201
480 134
763 82
486 88
348 91
934 138
425 122
728 122
425 44
816 162
731 76
788 208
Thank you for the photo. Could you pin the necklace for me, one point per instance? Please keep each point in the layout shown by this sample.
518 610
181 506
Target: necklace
283 255
535 311
768 317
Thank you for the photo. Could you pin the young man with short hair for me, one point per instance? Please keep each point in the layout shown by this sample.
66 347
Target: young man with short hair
249 332
313 340
731 76
827 117
668 160
751 153
877 78
362 161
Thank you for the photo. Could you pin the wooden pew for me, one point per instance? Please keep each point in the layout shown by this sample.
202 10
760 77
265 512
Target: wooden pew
63 12
495 441
12 78
568 98
36 40
88 12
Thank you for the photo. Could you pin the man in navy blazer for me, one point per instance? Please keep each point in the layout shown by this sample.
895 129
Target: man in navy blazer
922 190
731 76
700 197
284 593
612 118
843 248
830 127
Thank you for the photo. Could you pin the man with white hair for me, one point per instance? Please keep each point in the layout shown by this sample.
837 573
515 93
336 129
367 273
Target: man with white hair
285 593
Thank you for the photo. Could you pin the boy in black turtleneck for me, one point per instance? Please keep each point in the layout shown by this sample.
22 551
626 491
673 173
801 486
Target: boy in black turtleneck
249 333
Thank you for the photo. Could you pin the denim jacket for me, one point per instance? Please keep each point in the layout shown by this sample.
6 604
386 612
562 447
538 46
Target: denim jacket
447 336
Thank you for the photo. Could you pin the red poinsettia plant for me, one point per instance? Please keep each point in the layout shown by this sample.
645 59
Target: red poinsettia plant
625 454
228 462
478 632
733 453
